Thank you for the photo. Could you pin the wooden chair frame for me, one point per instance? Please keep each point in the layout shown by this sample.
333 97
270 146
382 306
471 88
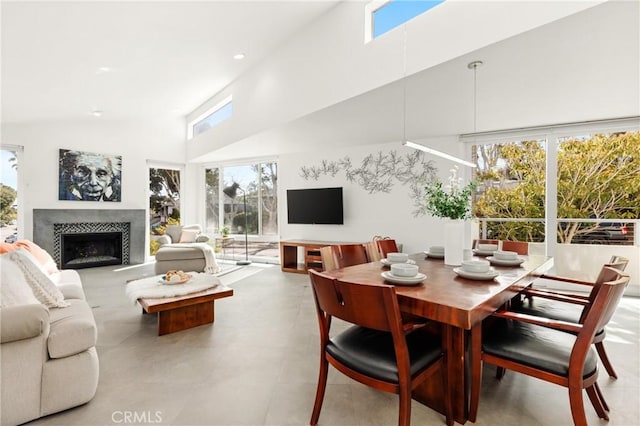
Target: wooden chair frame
617 263
600 312
374 307
520 247
386 246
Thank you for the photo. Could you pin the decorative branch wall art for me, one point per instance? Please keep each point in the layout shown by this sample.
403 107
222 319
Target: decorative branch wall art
87 176
380 172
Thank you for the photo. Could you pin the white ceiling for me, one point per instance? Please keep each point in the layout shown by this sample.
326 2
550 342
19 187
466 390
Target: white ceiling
169 57
581 68
166 58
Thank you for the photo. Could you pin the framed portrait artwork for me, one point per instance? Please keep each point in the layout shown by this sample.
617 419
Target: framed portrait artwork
88 176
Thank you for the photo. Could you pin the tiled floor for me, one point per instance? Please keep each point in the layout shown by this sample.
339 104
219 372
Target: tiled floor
257 365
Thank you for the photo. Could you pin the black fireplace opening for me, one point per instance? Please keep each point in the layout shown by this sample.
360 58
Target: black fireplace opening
86 250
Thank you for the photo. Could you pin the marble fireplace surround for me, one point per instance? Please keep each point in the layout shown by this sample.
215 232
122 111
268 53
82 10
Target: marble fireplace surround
45 220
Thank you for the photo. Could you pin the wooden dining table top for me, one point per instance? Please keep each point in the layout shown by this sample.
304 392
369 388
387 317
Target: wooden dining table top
444 296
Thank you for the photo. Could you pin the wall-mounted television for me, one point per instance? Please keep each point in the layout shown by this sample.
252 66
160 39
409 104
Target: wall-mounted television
315 206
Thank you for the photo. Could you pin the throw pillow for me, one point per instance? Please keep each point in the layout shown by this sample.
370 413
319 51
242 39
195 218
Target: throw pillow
36 277
7 248
188 236
174 231
14 290
40 254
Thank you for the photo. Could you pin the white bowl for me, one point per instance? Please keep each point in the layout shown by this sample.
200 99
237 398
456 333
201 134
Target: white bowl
487 247
505 255
476 265
397 257
436 250
404 270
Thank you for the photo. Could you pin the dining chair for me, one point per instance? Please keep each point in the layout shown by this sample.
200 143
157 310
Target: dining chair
373 255
349 255
378 349
386 246
571 307
520 247
555 351
328 258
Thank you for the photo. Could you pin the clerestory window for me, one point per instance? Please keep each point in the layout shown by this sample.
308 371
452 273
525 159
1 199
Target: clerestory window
382 16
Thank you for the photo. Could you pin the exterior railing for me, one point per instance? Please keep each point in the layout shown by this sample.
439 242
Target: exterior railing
614 232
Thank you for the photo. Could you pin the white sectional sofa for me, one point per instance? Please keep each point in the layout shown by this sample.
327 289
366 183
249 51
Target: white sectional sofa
48 356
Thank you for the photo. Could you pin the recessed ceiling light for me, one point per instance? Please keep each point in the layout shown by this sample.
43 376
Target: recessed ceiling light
96 113
103 70
238 56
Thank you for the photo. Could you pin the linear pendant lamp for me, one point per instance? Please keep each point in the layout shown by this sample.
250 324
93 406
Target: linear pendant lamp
438 153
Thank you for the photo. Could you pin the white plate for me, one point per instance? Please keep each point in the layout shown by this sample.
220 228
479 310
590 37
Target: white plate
163 281
403 280
504 262
434 255
385 262
489 275
484 252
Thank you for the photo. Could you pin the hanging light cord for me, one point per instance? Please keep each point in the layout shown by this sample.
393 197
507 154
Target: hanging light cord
474 66
404 86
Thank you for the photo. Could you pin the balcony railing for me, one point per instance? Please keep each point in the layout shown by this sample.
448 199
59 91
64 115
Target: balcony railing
574 231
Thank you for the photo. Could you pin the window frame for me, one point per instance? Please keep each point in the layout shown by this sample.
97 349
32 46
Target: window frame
208 113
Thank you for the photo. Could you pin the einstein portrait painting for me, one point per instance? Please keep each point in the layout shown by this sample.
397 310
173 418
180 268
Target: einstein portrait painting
87 176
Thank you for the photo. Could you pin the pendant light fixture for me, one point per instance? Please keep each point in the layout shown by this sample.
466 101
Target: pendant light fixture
474 66
414 145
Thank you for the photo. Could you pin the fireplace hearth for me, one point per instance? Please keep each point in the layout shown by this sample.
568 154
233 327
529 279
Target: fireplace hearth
86 250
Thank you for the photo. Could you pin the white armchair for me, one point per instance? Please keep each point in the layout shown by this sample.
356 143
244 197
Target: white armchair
175 234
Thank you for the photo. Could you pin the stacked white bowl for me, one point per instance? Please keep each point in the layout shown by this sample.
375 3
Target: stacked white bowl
476 266
404 270
487 247
397 257
505 255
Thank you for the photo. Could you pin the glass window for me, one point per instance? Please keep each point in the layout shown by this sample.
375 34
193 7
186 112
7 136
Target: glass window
213 117
510 199
598 180
164 202
396 12
269 198
9 196
259 183
212 199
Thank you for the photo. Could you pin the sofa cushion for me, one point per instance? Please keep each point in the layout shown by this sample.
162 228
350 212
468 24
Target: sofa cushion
41 285
177 252
40 255
14 290
69 283
73 329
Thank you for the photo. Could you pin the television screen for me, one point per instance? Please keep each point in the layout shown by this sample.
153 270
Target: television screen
315 206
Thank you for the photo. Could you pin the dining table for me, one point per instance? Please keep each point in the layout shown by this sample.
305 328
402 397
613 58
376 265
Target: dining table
454 306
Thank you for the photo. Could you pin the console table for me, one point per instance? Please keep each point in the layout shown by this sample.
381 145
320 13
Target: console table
301 255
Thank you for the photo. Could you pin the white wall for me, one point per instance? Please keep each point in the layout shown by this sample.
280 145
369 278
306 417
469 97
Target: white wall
38 166
365 214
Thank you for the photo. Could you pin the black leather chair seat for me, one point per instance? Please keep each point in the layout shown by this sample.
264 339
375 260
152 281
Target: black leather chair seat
533 345
371 352
551 309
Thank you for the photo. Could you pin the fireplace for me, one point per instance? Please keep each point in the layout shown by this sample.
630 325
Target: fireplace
86 250
49 225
